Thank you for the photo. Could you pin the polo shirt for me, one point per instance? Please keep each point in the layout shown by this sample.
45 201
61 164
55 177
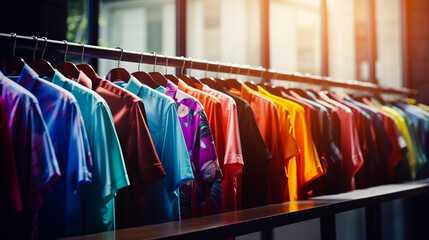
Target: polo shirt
305 167
267 118
202 152
61 214
141 160
109 174
350 147
35 161
162 199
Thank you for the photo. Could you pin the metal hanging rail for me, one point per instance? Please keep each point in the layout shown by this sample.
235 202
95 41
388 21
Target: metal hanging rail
26 42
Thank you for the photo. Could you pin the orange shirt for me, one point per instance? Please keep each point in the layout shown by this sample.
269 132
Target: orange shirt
268 122
305 167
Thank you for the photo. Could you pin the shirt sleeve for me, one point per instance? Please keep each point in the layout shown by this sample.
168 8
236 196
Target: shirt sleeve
141 151
178 167
111 174
233 154
44 170
79 150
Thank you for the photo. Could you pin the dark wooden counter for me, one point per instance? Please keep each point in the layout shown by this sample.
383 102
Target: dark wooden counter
267 217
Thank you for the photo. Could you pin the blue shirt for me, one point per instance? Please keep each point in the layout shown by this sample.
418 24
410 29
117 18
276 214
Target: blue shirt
162 200
36 164
109 174
61 215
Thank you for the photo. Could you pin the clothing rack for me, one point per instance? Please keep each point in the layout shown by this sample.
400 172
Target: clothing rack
26 42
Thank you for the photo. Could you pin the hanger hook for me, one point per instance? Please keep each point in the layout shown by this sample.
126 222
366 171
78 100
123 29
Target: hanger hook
83 52
141 59
67 49
190 69
46 44
207 67
154 65
35 48
276 74
13 35
248 71
120 57
238 71
166 63
183 65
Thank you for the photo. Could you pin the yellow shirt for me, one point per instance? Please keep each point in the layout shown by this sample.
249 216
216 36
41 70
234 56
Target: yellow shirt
305 167
403 129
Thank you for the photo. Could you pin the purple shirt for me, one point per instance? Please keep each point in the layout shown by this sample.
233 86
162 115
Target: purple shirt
201 149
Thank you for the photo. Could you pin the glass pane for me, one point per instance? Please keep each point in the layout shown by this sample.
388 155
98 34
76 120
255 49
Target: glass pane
77 24
295 38
224 30
348 39
389 52
142 25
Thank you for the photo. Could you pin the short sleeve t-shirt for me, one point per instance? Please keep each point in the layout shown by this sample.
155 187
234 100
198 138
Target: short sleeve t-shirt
162 199
109 173
202 153
268 122
142 163
35 161
305 167
61 214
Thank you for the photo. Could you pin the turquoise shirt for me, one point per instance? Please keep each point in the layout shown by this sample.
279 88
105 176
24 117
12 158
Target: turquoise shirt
109 173
162 200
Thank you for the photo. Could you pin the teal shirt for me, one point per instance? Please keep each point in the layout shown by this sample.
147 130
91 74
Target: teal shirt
162 199
109 172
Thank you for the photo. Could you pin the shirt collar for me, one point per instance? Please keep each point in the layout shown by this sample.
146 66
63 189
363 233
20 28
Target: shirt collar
171 89
246 92
28 78
133 85
84 80
160 89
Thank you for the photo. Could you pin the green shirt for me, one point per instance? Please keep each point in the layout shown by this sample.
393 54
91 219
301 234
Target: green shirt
109 172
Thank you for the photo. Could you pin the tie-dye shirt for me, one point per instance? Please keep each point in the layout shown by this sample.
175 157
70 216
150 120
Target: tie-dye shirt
201 149
61 215
36 164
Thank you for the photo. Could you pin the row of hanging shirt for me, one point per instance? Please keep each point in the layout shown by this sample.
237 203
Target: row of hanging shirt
91 154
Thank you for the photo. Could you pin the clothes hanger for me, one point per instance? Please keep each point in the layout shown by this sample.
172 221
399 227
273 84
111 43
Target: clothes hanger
186 78
211 82
157 76
144 77
86 68
233 82
68 69
250 83
41 67
12 66
173 78
195 81
118 74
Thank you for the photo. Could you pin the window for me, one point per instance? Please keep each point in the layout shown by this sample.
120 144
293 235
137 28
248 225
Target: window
147 26
295 37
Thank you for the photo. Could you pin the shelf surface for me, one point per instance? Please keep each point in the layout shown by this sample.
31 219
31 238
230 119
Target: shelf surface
266 217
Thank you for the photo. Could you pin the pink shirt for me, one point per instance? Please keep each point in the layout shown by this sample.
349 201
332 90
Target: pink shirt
233 161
